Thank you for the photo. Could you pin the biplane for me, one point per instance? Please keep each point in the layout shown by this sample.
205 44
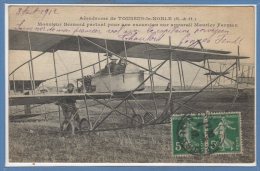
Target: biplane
117 89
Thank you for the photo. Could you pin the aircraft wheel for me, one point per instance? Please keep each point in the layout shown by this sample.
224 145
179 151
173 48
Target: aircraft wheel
84 125
137 120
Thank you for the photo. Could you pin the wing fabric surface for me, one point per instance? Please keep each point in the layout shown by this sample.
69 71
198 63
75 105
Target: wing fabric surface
45 42
18 40
51 98
188 55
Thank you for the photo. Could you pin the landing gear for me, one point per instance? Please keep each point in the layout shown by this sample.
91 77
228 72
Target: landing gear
148 117
67 126
84 125
137 120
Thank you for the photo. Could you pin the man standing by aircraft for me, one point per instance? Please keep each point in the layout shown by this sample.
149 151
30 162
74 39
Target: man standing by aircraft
70 111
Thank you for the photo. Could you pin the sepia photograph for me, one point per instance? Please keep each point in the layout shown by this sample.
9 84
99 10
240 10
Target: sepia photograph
142 85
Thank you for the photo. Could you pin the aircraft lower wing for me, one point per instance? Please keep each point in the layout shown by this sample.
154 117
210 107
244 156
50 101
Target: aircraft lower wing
52 98
145 95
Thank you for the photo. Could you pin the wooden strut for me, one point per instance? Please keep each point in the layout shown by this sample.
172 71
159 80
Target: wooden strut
31 61
132 108
109 71
29 66
113 109
126 101
131 94
209 70
252 72
193 96
14 85
99 62
129 62
125 50
232 75
156 67
74 71
83 85
195 78
183 80
220 70
152 83
237 75
57 86
139 104
110 83
237 61
44 106
102 111
248 73
94 71
127 96
210 77
23 87
170 73
68 80
168 104
26 63
101 47
126 111
37 56
180 75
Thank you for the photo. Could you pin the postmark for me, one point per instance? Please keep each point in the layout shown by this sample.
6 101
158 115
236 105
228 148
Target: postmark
206 133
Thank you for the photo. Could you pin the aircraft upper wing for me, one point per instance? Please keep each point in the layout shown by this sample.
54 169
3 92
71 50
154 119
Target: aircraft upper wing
46 42
52 98
180 54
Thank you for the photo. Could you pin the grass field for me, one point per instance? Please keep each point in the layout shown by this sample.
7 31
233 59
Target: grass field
38 140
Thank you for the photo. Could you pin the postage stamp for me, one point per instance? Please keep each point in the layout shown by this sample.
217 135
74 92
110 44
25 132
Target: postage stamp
206 133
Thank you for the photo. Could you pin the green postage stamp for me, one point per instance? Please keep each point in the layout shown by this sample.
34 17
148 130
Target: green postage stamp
206 133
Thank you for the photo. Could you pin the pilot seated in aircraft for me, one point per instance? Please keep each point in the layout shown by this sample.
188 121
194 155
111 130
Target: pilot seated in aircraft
110 66
120 67
70 111
115 68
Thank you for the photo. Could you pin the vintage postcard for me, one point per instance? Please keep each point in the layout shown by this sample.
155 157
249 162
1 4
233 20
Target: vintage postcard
142 85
